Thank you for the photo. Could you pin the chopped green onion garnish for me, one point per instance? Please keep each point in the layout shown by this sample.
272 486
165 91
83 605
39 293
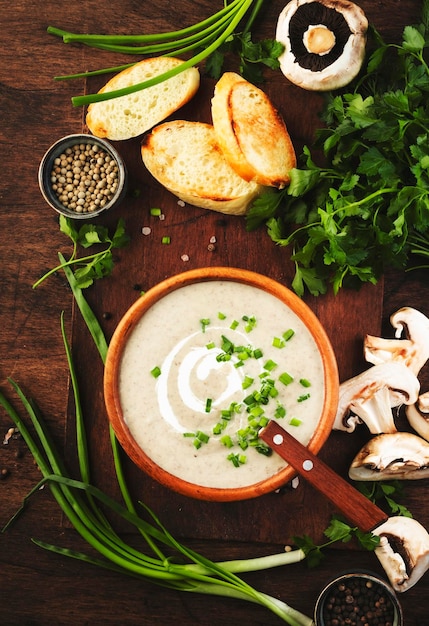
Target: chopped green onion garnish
257 354
294 421
210 345
288 334
166 240
203 437
223 357
204 323
270 365
227 345
278 342
208 405
234 324
280 411
303 397
286 378
247 382
221 316
156 371
251 323
305 383
227 441
155 211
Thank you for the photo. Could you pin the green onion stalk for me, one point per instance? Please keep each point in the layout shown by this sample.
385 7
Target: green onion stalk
168 562
197 42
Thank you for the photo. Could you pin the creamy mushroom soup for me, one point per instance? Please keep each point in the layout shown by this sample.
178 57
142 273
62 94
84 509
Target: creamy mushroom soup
205 368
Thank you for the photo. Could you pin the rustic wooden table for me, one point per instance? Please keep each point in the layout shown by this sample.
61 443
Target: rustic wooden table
37 587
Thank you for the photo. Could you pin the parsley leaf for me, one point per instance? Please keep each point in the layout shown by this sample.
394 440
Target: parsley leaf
93 266
337 530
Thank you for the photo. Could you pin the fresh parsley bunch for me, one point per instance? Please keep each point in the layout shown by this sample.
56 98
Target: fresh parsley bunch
366 207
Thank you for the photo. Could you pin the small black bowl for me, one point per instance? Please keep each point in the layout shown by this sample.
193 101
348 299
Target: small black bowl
344 591
47 164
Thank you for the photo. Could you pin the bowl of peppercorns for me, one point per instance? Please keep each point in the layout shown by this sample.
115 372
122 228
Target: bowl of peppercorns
81 176
358 599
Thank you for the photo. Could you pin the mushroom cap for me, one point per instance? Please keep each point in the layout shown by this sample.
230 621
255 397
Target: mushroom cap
371 395
392 456
405 568
321 69
410 345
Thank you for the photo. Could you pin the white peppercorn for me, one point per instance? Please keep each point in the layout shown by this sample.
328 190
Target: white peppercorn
84 177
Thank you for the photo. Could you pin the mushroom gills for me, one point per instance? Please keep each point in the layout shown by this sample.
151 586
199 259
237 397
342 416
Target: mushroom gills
399 456
324 42
403 551
306 18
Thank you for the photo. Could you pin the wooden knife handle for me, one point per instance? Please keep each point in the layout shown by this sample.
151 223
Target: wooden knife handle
360 511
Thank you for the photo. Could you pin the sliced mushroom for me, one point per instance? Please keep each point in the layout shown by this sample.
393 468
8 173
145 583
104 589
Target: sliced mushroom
403 551
324 42
418 415
393 456
412 349
369 397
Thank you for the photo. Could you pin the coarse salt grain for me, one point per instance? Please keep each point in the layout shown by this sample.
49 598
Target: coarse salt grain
184 258
180 203
146 230
213 239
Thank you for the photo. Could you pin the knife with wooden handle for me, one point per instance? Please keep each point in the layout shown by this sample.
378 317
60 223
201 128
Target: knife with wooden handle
360 511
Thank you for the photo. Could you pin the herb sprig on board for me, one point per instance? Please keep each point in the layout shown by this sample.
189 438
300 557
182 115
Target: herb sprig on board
367 207
337 531
97 264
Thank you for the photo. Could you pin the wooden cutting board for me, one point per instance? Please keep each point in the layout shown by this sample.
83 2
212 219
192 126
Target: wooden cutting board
206 238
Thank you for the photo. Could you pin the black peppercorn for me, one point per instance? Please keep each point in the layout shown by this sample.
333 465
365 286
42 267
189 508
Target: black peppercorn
358 602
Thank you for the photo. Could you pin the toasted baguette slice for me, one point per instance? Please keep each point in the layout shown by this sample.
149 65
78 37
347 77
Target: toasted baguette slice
132 115
251 132
186 159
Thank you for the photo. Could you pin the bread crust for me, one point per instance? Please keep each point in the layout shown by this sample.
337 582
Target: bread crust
251 132
186 159
132 115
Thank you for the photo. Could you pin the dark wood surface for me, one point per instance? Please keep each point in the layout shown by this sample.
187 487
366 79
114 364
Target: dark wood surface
38 588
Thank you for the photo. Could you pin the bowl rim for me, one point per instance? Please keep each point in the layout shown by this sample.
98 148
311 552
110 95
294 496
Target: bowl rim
113 361
54 150
357 573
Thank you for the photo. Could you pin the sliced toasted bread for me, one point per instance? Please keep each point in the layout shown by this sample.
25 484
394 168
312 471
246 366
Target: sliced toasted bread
134 114
251 132
186 159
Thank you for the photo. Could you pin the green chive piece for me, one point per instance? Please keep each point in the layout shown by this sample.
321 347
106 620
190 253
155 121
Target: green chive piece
234 325
210 345
294 421
270 365
257 354
227 441
288 334
221 316
280 411
155 212
304 397
203 437
166 240
247 382
286 378
156 371
204 323
278 342
305 383
208 405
